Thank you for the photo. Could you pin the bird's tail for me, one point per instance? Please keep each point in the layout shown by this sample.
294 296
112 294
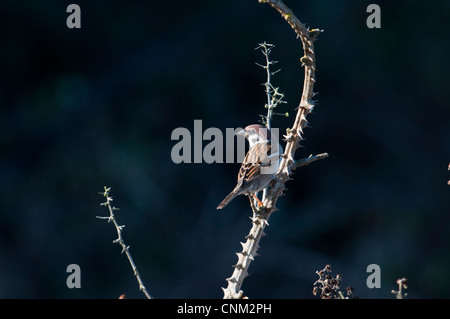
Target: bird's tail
227 199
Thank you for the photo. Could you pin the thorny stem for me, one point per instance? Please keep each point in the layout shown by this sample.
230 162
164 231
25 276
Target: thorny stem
310 159
268 85
288 164
119 239
274 97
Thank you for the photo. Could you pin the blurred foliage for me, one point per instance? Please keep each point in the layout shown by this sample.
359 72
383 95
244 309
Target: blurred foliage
81 109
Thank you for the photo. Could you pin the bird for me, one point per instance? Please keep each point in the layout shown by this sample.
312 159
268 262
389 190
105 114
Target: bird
256 171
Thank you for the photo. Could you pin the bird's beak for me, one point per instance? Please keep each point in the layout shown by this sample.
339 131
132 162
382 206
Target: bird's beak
241 133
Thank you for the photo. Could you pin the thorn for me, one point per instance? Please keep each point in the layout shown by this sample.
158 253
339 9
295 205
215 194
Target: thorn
125 248
305 60
255 220
237 266
249 237
232 280
314 33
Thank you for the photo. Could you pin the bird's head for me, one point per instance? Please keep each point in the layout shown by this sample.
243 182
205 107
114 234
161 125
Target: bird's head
255 133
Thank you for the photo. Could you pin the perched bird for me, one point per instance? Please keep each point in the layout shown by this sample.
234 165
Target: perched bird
256 171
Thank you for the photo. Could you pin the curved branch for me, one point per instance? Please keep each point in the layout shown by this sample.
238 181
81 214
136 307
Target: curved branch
288 164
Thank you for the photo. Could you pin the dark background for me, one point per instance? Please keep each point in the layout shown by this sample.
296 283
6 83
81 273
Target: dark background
84 108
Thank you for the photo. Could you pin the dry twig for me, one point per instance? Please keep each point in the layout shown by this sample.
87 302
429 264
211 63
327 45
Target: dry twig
329 287
402 284
119 239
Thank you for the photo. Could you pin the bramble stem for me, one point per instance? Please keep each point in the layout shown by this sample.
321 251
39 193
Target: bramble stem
119 240
293 138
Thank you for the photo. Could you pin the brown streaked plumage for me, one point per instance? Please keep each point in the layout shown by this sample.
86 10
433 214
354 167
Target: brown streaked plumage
250 177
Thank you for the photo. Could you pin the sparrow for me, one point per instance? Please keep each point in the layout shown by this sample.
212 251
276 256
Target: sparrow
256 172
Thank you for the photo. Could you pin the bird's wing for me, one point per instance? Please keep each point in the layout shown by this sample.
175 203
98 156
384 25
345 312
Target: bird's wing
258 156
